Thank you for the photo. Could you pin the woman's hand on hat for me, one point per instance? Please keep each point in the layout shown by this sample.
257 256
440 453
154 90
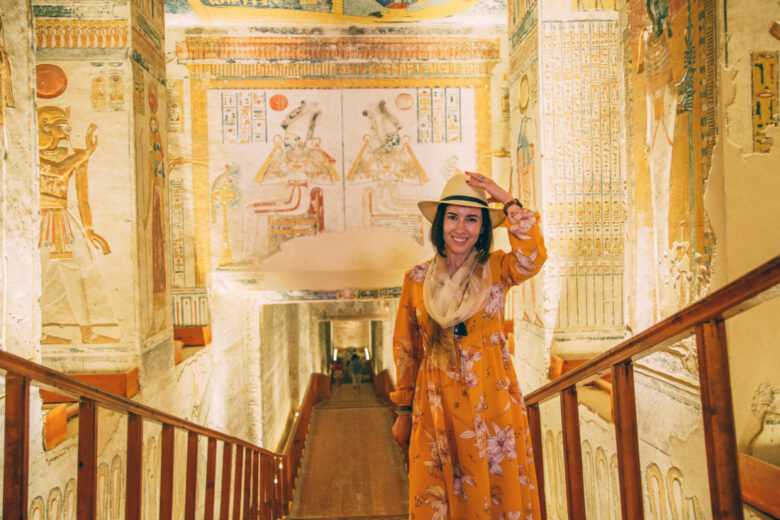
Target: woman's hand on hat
495 192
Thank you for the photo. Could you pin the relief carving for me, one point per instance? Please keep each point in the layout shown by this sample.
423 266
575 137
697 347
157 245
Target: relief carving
74 299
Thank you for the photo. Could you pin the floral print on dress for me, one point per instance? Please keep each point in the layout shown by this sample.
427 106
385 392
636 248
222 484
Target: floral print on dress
470 454
459 479
495 301
417 273
499 446
525 264
436 497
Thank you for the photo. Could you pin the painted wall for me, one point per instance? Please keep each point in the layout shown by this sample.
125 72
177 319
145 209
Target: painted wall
741 199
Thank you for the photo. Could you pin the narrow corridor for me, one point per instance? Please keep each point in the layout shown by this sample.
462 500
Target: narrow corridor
352 469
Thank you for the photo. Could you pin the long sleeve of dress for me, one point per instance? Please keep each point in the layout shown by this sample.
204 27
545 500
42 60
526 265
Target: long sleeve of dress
528 251
407 345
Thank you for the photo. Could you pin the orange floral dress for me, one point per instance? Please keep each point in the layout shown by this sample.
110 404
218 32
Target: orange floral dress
470 452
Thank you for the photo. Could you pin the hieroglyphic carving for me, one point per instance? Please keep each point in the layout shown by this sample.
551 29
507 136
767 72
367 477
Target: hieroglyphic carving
438 115
175 105
244 117
584 195
177 231
330 49
765 97
80 34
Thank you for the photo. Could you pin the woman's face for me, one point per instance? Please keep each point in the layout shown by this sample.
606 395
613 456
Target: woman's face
461 228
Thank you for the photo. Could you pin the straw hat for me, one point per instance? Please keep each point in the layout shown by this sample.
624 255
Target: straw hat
458 193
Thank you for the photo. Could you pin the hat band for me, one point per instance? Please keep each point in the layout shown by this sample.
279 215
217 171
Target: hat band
466 199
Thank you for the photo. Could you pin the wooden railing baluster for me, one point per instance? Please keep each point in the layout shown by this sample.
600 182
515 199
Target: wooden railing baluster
278 490
247 482
227 462
535 425
718 416
17 446
167 445
238 483
627 437
211 471
256 488
191 491
135 449
572 454
86 490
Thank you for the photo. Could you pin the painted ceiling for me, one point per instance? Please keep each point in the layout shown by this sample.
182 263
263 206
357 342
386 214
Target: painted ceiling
324 11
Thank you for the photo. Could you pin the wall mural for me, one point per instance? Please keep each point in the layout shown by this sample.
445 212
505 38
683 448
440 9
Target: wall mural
275 109
671 133
321 11
525 180
74 297
293 168
152 210
584 208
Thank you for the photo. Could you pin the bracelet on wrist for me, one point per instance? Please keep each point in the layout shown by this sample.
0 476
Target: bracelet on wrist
510 203
403 410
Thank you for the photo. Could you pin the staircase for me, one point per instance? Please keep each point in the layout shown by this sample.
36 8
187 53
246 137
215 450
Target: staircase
352 468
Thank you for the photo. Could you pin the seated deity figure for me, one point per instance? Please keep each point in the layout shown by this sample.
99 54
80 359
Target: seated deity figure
74 299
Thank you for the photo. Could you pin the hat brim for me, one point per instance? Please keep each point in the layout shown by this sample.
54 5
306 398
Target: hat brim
428 209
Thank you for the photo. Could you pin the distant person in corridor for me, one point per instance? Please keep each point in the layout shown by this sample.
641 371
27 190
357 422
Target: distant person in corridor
460 411
356 367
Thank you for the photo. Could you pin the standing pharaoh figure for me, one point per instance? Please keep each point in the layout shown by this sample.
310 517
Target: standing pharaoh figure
661 112
74 294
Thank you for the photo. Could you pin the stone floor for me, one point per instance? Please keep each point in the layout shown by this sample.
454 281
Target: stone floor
352 469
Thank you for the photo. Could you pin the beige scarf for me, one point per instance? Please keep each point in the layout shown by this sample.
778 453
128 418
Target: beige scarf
450 300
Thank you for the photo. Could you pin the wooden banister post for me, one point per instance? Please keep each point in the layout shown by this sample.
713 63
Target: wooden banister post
535 425
718 414
255 485
238 482
166 472
17 446
247 482
624 403
191 490
211 471
572 454
227 463
135 448
86 494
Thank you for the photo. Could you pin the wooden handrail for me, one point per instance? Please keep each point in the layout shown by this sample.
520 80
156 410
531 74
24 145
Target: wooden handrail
46 377
731 299
705 318
760 482
262 481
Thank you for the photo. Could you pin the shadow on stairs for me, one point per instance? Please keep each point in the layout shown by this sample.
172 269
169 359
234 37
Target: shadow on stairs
352 468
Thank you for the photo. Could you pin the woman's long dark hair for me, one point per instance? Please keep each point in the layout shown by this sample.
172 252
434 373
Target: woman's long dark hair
484 242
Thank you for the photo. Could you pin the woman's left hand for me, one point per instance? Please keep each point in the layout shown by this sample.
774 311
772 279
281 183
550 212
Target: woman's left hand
495 192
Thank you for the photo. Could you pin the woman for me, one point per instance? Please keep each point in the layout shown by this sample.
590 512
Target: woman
460 411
